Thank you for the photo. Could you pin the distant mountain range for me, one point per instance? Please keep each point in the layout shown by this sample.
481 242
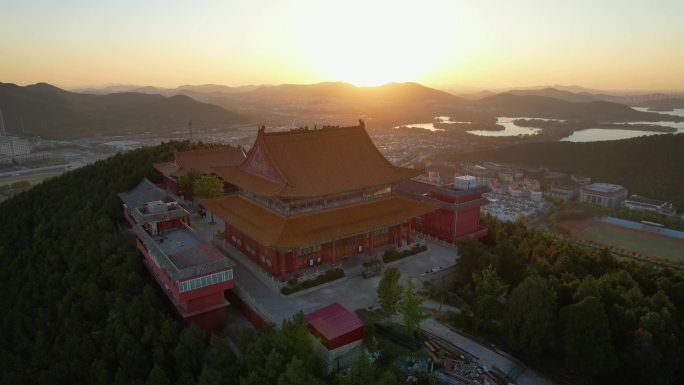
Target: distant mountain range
45 110
42 109
406 102
508 104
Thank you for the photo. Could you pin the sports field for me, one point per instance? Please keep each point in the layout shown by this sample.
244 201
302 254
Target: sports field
640 241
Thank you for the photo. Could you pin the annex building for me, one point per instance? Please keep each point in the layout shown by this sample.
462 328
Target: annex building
199 160
193 274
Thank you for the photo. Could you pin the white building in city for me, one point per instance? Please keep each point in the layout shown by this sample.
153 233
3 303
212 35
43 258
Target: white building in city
11 146
603 194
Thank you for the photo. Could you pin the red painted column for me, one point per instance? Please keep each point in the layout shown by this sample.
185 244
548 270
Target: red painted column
397 231
370 243
282 265
295 261
228 232
334 252
409 236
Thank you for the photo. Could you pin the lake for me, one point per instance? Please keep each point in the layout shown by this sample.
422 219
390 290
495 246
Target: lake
676 111
586 135
601 134
510 129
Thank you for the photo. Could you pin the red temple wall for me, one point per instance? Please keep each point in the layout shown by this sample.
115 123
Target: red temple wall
204 302
170 224
213 321
171 184
438 223
255 250
250 314
343 248
450 225
468 221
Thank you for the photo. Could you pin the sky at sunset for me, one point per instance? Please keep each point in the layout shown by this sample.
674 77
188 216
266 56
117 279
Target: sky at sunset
606 44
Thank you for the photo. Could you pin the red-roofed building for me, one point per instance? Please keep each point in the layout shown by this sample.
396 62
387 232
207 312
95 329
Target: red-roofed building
199 160
338 333
314 197
458 214
192 273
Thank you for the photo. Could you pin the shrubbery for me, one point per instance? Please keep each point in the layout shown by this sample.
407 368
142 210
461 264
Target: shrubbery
293 286
393 254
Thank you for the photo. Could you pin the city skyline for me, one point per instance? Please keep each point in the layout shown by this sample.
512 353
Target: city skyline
614 45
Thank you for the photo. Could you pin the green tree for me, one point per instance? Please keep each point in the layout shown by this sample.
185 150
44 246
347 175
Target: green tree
362 372
586 337
531 316
157 377
189 352
411 306
389 291
490 294
186 182
296 374
387 378
208 186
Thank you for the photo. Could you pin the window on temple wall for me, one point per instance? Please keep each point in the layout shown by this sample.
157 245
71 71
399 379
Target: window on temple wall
262 258
309 249
419 220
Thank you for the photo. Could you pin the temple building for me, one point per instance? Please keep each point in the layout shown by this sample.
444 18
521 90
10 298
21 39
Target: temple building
311 197
200 160
192 273
458 215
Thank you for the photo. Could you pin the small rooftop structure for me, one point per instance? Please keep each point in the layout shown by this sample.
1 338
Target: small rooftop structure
466 182
606 188
335 325
141 194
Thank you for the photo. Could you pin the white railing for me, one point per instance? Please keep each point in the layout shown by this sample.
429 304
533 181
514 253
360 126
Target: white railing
142 217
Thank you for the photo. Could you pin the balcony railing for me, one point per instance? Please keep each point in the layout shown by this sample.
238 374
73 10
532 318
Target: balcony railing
157 254
146 217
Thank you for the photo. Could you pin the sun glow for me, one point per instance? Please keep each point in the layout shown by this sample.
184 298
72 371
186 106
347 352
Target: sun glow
374 42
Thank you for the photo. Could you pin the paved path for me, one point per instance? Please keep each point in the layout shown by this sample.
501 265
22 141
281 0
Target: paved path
486 355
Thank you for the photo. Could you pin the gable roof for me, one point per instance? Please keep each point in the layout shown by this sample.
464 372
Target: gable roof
271 229
307 163
333 321
144 192
201 160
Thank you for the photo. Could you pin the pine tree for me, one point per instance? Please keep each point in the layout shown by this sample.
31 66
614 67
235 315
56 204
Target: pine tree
389 291
410 307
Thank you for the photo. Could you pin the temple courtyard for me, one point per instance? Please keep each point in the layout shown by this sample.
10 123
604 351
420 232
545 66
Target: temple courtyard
352 291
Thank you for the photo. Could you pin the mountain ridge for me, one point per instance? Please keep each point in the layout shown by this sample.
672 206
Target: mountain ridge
45 110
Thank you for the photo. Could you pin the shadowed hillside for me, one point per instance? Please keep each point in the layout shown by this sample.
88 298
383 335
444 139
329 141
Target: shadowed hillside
547 107
45 110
